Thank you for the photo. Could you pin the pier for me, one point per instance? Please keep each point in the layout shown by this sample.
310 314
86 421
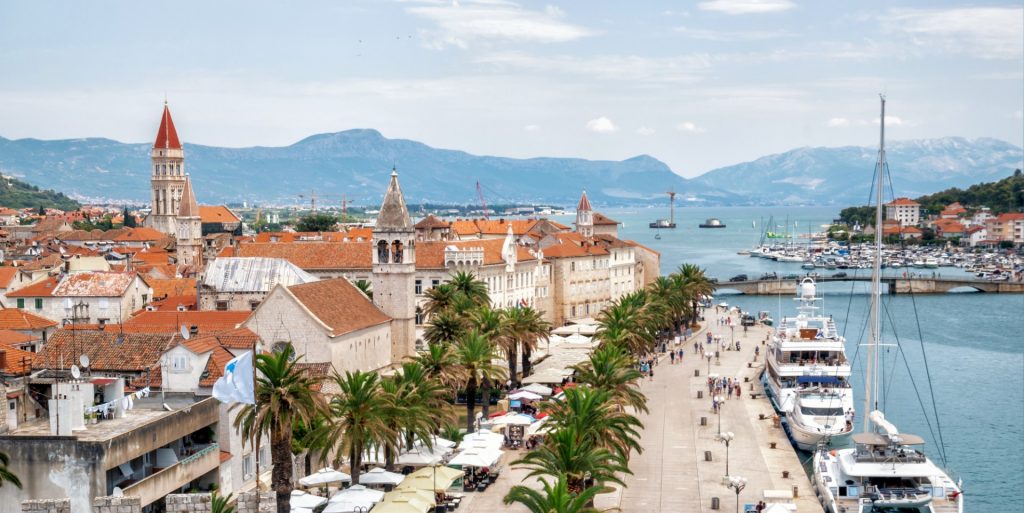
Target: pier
894 285
683 464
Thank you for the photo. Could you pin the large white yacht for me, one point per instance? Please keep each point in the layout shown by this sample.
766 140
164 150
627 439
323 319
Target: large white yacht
883 472
807 374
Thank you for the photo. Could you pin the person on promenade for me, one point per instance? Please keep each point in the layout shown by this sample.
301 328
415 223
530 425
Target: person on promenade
739 391
672 357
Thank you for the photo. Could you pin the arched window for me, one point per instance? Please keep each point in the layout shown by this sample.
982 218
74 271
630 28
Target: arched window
382 251
396 251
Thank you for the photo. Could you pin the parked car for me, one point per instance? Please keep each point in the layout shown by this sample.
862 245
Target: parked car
769 276
748 320
814 275
839 275
739 277
791 277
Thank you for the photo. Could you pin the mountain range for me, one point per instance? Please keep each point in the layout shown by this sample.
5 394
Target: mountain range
355 164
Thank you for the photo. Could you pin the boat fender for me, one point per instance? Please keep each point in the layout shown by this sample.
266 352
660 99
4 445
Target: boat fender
832 453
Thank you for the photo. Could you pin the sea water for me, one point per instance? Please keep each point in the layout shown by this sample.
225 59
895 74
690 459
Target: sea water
973 342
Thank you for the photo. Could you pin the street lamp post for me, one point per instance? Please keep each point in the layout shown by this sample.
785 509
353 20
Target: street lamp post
721 402
708 355
738 484
732 336
727 438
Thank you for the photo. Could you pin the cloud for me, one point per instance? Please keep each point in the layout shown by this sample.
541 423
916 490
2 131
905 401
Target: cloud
985 32
632 68
838 122
732 36
746 6
460 24
645 131
689 126
531 128
601 125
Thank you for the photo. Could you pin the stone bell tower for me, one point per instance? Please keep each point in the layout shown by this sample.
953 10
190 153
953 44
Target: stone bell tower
168 176
394 269
189 230
585 217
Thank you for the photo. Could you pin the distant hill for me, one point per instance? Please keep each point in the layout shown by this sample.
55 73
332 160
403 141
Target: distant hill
1006 195
842 176
17 194
356 164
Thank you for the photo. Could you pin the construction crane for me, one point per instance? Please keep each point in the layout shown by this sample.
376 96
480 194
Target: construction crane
483 203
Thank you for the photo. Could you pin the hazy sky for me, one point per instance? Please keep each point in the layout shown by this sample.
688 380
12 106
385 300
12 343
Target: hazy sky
696 84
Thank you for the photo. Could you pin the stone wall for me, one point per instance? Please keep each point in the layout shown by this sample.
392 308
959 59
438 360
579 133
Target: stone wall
247 503
188 502
99 505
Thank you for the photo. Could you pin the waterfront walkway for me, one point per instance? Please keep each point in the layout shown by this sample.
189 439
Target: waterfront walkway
671 474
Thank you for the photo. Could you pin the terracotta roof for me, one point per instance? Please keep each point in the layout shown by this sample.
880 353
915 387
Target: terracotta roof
265 237
171 303
603 220
217 214
219 357
339 305
393 213
238 338
173 287
1010 216
188 206
313 255
15 361
356 233
902 201
493 226
7 275
584 203
94 284
432 221
208 321
167 136
430 254
568 249
107 350
949 225
39 289
638 245
140 234
15 319
11 337
975 229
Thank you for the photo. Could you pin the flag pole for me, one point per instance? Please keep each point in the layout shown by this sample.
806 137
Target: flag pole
257 457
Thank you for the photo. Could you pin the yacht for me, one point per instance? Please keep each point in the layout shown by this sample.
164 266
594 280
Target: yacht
884 471
807 375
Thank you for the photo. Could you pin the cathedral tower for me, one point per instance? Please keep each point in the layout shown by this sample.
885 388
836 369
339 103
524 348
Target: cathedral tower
189 230
168 178
394 270
584 217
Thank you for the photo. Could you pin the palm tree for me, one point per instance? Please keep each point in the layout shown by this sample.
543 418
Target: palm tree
444 327
592 415
284 395
492 325
612 369
359 416
6 476
553 498
440 362
568 453
524 326
439 298
475 354
466 284
696 285
418 392
220 503
365 287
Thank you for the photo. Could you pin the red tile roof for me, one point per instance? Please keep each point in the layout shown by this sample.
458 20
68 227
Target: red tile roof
603 220
173 287
107 350
584 203
568 249
141 234
339 305
11 338
313 255
1010 216
15 319
7 275
171 303
15 361
217 214
40 289
167 136
902 201
172 321
95 284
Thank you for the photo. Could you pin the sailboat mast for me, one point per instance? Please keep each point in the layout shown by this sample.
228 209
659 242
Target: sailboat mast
871 377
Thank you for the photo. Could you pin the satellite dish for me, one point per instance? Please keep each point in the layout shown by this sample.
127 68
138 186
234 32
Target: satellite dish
84 360
184 332
75 373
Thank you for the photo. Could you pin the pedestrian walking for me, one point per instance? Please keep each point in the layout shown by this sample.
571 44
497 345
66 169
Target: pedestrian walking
672 357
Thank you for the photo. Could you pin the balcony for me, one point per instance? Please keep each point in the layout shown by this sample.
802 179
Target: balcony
172 478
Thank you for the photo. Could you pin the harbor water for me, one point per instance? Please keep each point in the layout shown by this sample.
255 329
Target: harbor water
973 342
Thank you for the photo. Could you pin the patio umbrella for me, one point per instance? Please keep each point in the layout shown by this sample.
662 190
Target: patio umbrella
324 476
402 505
576 338
513 419
426 496
301 499
352 497
538 389
525 395
379 476
443 442
419 457
437 478
476 458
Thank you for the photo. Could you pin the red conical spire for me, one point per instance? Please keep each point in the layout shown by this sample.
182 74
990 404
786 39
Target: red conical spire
584 204
167 137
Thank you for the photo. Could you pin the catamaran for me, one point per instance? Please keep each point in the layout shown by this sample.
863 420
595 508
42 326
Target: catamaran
884 472
807 374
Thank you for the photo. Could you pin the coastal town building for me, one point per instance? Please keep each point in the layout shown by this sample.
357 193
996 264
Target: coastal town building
234 283
394 269
168 176
85 297
905 211
1008 227
953 211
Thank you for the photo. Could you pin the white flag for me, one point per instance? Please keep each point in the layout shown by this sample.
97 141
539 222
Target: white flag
236 385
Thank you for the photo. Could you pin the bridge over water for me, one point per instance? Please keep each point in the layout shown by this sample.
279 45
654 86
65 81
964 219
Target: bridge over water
894 285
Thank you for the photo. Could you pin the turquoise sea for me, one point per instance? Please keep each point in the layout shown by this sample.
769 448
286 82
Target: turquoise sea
973 342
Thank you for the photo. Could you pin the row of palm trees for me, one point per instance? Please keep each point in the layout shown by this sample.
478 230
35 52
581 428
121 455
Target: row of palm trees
593 430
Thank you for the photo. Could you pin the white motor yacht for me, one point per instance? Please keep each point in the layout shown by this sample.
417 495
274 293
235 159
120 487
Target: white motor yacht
807 374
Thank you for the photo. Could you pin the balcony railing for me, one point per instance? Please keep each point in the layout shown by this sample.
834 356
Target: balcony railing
172 478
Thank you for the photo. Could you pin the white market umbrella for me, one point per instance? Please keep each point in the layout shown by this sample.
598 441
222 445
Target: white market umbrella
576 338
476 458
301 499
478 445
324 476
379 476
525 395
537 388
419 457
436 478
539 427
443 442
354 496
512 419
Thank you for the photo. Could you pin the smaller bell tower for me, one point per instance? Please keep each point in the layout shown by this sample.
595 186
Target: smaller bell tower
189 230
394 269
585 217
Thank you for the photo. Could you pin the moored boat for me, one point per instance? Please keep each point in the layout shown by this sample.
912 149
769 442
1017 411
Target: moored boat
712 222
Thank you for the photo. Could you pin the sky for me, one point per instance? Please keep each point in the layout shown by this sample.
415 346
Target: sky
698 84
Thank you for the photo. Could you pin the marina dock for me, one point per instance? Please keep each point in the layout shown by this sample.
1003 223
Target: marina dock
892 285
672 474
